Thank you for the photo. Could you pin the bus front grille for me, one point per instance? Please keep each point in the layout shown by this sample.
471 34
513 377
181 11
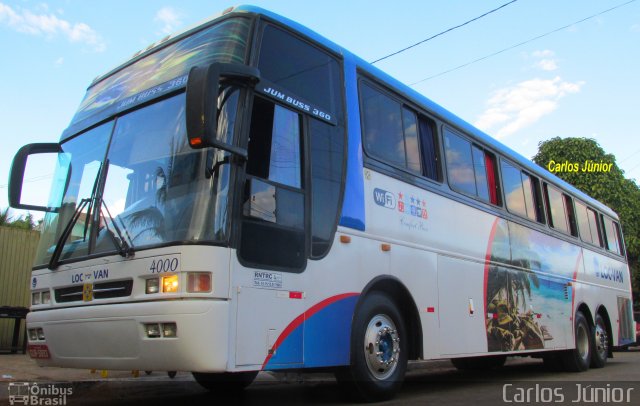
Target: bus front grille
101 290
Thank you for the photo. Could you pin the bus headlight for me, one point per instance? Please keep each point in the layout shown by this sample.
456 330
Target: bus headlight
46 297
198 282
36 298
170 284
152 286
169 330
152 330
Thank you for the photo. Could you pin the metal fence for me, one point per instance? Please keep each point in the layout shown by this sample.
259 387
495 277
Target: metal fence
17 250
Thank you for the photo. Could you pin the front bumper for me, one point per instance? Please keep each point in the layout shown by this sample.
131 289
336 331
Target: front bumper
112 336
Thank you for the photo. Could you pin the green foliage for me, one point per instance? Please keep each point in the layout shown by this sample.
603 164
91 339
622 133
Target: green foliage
610 187
24 223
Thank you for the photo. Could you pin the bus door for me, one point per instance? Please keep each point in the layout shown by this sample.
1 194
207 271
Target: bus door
272 239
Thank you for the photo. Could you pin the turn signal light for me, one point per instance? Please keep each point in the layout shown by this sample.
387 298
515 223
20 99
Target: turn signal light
170 284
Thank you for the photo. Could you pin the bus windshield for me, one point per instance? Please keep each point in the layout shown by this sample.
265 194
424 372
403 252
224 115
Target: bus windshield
157 189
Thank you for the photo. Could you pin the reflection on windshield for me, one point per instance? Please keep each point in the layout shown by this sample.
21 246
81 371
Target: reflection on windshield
153 176
157 189
76 180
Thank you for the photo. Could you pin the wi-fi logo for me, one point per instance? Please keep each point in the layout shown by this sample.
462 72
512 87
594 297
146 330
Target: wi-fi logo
384 198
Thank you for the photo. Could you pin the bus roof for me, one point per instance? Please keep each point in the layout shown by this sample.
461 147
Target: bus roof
415 97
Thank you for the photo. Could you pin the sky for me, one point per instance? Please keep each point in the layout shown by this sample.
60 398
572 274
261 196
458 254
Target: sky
580 80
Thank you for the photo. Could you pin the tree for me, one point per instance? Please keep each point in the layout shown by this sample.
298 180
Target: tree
25 223
608 186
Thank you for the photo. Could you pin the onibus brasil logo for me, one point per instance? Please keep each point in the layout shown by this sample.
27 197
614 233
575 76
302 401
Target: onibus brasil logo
45 394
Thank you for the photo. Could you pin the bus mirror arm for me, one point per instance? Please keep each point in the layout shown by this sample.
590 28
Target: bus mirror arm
203 87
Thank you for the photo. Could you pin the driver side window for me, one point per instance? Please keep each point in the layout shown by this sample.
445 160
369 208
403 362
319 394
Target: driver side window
274 201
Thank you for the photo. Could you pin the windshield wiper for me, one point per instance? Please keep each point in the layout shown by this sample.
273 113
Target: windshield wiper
55 257
125 249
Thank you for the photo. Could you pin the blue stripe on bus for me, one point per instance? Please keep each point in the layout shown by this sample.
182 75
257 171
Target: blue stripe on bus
353 202
327 337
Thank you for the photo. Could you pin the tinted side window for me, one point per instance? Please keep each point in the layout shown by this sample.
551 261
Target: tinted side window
470 168
327 157
300 68
382 126
410 124
480 169
594 226
556 209
528 187
583 223
513 189
611 235
459 163
430 161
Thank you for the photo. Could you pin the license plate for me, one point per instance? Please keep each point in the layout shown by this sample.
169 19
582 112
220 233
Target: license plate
39 351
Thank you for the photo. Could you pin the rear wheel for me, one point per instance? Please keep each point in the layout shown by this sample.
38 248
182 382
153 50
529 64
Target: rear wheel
600 343
225 381
378 350
579 358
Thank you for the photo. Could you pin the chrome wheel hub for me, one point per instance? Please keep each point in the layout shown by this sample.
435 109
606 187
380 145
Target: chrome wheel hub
601 341
381 346
582 342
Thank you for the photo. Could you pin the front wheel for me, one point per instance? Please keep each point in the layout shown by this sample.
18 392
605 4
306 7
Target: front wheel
378 350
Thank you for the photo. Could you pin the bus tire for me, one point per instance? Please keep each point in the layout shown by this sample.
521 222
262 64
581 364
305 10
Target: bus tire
479 363
600 342
378 350
225 381
579 358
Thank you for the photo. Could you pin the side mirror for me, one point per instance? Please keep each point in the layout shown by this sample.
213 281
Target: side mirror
202 102
16 176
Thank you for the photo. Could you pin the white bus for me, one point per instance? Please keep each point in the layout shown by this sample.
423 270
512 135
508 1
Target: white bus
247 196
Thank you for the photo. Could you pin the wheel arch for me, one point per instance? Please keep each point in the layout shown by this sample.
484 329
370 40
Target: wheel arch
604 313
400 295
584 308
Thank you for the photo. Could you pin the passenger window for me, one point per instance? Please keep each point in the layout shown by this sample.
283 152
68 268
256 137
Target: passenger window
459 163
556 209
480 169
520 191
470 169
528 186
430 161
412 148
587 224
594 227
611 234
383 127
513 189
